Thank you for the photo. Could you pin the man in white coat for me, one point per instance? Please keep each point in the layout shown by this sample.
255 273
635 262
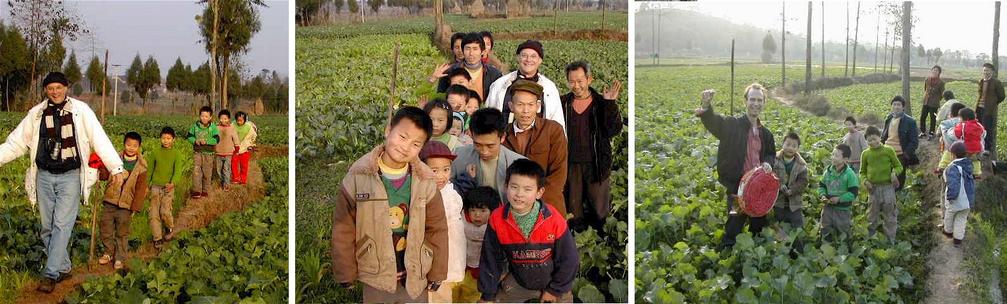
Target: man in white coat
529 57
58 135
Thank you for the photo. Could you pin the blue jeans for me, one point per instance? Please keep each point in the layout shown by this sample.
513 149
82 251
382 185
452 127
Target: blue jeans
58 205
223 164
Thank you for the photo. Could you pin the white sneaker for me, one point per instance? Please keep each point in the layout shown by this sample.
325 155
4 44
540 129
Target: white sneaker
117 265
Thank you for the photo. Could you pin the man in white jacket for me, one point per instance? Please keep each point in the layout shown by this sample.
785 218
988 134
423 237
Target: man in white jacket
529 57
58 135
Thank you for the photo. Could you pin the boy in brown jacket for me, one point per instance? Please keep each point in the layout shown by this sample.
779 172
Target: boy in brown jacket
122 201
225 148
390 209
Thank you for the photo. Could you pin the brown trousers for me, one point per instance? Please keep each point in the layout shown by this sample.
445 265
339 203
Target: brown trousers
160 211
114 229
374 295
202 171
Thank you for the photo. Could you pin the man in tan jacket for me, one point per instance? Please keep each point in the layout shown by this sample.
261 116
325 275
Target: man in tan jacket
388 229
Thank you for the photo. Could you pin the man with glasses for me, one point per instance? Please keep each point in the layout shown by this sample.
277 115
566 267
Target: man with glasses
529 56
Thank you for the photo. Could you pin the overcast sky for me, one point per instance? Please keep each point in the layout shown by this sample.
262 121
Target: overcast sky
966 25
167 30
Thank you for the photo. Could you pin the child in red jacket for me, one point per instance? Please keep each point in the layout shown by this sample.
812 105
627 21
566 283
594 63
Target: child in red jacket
974 135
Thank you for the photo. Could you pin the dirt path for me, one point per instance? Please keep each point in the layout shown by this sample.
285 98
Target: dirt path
196 214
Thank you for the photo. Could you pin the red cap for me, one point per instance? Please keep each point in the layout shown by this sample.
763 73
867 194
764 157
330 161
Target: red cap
435 148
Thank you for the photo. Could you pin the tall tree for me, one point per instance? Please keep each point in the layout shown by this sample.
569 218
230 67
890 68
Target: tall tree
783 44
846 69
14 64
95 74
807 51
877 33
856 36
375 5
135 77
40 22
228 34
768 48
907 42
996 63
823 39
175 79
72 69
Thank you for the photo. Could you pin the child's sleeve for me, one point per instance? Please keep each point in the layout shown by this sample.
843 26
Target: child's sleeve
436 238
852 189
566 260
801 182
822 189
176 173
152 160
214 136
492 262
191 137
139 194
953 178
344 262
863 163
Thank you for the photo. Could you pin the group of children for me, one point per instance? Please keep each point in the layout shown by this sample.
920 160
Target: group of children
864 159
156 174
449 245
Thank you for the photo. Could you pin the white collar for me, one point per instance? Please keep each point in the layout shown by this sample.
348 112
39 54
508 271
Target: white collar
518 130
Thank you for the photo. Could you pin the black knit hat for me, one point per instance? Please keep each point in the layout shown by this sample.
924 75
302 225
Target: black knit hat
531 44
55 77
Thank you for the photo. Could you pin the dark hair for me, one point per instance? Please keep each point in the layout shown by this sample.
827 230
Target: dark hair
417 116
474 94
960 153
459 71
487 34
169 131
439 104
843 148
989 65
526 167
851 119
206 109
939 70
899 99
578 65
132 135
481 197
457 89
872 130
474 38
224 112
486 121
949 95
793 135
955 108
240 114
967 114
455 37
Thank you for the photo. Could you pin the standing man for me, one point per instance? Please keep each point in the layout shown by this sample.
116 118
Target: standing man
933 91
745 144
58 135
538 139
482 75
901 134
991 94
529 57
592 121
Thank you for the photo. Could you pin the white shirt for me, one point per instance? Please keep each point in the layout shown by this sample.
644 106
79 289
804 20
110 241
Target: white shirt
456 233
550 97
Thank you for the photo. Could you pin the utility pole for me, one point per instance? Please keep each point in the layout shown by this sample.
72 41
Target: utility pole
115 89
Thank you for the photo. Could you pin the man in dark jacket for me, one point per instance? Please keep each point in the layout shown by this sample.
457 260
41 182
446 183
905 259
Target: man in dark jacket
592 120
991 94
745 144
483 75
901 133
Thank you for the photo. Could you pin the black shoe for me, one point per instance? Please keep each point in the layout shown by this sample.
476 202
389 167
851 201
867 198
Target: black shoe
158 244
948 235
47 285
64 276
958 243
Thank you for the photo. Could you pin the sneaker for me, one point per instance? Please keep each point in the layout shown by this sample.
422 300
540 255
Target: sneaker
948 234
204 194
170 235
117 265
923 134
104 259
63 276
47 285
958 243
195 195
158 243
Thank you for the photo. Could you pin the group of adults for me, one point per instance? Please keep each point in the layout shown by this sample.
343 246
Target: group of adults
523 115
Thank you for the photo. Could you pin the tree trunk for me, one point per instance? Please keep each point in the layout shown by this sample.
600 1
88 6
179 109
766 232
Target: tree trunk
884 64
214 69
223 87
846 68
807 51
783 45
907 42
856 36
877 32
996 64
823 39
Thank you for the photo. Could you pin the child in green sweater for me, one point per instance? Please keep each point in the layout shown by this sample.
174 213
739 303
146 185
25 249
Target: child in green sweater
165 171
204 136
838 189
879 166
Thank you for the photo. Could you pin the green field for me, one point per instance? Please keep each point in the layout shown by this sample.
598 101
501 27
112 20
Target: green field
681 210
21 251
343 91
